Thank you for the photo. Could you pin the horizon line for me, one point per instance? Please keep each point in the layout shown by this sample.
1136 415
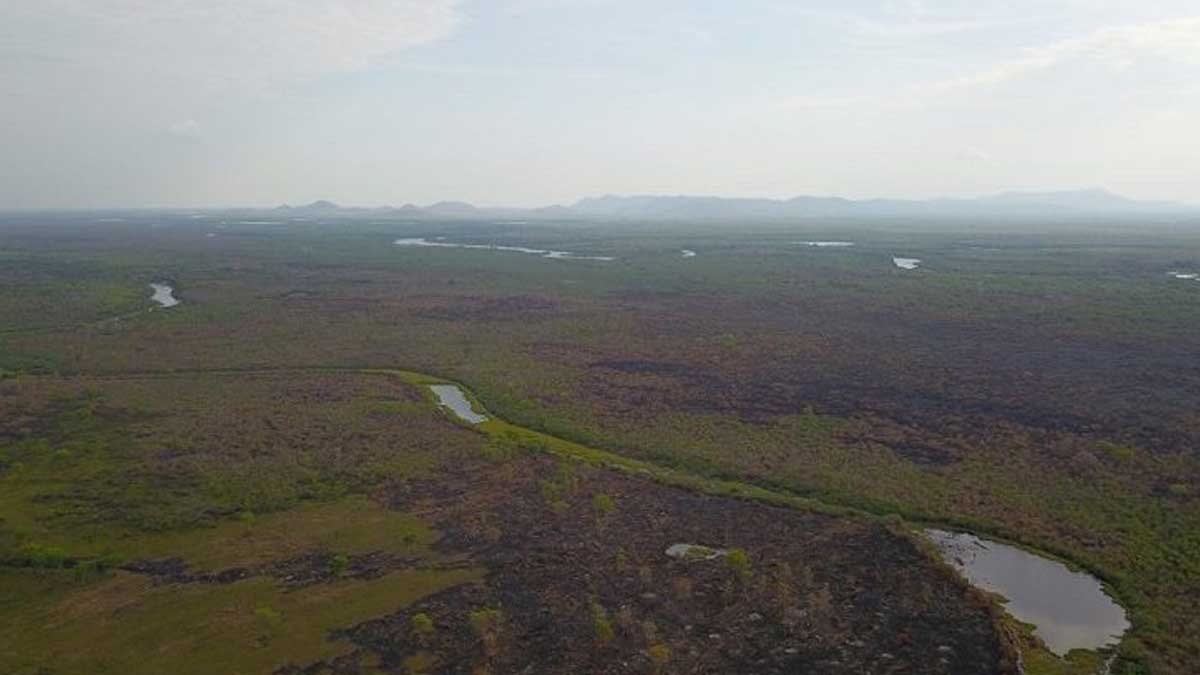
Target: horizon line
613 195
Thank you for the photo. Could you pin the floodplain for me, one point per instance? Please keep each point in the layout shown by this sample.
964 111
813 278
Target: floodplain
264 466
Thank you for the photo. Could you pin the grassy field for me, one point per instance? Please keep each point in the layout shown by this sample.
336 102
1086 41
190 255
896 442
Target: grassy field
1034 383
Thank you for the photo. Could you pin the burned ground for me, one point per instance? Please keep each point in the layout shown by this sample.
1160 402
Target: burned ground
580 582
520 562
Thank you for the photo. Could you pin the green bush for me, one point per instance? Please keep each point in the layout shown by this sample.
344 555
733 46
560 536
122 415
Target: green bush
422 625
739 561
1121 453
601 624
502 448
603 504
41 557
88 569
338 564
271 621
485 621
487 626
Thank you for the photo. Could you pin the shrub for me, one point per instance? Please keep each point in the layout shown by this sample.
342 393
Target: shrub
41 557
1121 453
603 504
622 560
626 621
552 491
88 569
486 624
484 620
422 625
502 448
739 561
601 625
646 576
338 564
566 476
660 655
271 620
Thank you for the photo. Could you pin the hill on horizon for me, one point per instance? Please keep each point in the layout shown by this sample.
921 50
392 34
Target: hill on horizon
1092 201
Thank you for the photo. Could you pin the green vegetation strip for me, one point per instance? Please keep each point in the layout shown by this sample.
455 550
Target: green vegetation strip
516 436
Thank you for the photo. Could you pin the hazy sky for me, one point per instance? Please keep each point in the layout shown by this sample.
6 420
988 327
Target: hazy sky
528 102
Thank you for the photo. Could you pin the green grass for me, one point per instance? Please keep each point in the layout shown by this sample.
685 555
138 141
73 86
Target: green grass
349 526
126 624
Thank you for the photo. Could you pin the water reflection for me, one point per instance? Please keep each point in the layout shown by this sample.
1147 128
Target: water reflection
1069 609
452 397
164 295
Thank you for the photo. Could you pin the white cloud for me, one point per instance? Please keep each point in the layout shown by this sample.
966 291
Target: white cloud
897 23
973 155
1176 40
188 128
1119 48
221 43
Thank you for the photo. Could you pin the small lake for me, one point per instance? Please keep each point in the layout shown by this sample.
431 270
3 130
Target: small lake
907 263
827 244
1069 610
687 253
164 295
452 397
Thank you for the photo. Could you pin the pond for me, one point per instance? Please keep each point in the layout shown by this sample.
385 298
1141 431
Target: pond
687 253
164 295
1069 610
452 397
907 263
827 244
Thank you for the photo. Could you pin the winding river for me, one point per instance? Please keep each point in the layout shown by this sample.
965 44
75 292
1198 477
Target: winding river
540 252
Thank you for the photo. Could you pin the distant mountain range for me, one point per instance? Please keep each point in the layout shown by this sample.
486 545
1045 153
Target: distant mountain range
1095 202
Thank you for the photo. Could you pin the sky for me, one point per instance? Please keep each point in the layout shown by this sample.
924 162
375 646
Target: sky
193 103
